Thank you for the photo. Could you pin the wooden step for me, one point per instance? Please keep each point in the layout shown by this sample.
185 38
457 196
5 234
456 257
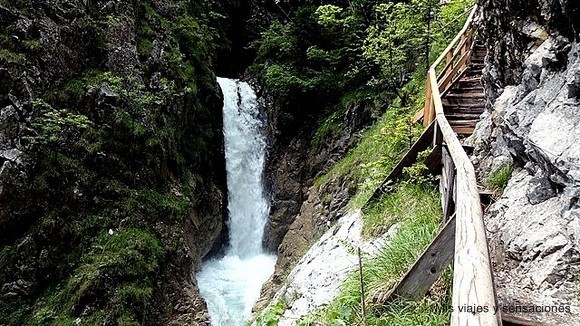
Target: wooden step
465 114
479 52
463 130
470 80
473 73
467 105
468 83
466 90
464 104
462 116
475 69
474 113
458 94
464 122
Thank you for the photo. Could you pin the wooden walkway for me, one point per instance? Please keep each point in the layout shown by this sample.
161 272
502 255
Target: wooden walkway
454 101
464 101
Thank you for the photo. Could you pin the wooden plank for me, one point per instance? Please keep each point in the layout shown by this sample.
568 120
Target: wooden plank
464 130
418 115
410 157
451 56
458 79
428 267
451 75
429 116
466 105
460 115
469 96
464 39
448 183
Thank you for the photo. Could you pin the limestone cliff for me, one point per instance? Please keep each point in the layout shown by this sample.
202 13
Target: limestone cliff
532 80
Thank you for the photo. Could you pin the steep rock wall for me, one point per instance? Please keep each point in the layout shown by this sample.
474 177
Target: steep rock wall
532 124
302 211
112 177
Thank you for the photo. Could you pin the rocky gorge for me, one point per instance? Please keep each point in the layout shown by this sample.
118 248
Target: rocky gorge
112 170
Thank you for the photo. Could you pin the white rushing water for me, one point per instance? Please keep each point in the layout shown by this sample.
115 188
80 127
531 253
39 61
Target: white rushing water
231 285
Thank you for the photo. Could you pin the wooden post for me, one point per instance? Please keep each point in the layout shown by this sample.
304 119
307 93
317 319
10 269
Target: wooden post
428 107
449 57
447 184
362 290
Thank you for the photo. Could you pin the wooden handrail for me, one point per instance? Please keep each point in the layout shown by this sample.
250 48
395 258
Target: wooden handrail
473 289
456 55
466 26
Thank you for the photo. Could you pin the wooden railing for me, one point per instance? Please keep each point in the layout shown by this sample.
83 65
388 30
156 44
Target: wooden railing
472 278
455 57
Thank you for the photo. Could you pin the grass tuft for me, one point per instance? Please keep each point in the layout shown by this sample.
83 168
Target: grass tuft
498 179
416 209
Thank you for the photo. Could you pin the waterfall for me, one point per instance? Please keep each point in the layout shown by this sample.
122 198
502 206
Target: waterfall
231 285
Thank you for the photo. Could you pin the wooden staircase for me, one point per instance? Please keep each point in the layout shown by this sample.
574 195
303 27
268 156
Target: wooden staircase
454 101
464 101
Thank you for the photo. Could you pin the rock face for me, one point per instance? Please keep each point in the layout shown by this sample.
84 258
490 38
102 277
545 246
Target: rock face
317 277
301 212
293 165
112 176
239 23
513 29
535 251
534 227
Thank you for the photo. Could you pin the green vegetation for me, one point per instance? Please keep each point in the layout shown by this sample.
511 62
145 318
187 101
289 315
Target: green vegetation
409 199
270 316
414 206
7 56
130 151
130 257
416 210
52 123
326 52
381 145
418 172
392 48
498 179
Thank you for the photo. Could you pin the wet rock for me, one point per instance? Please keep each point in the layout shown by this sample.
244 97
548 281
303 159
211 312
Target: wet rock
16 288
81 56
317 277
292 167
